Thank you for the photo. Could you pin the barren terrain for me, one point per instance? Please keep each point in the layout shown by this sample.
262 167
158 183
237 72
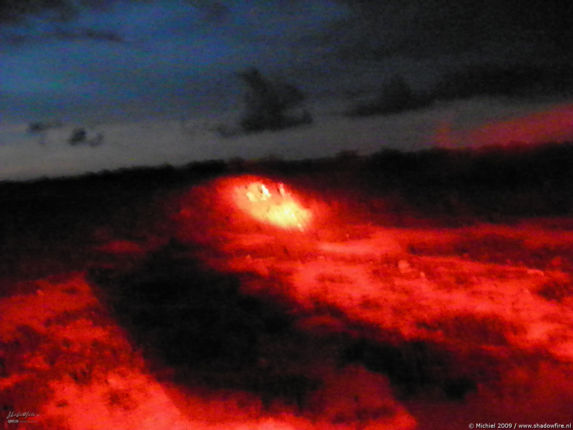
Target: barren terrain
400 291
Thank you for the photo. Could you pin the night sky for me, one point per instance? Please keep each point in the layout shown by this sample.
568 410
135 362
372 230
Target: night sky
88 61
152 57
90 57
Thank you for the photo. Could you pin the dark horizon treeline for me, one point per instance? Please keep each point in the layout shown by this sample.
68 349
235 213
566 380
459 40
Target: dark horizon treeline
420 175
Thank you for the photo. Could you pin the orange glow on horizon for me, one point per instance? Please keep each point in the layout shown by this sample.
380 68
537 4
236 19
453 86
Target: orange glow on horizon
553 124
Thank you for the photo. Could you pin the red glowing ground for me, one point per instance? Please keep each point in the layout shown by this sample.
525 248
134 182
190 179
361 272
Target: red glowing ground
270 203
497 297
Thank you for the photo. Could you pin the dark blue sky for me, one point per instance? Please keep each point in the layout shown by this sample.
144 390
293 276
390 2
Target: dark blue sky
152 57
88 59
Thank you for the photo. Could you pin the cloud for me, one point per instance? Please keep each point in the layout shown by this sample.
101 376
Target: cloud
371 29
32 21
180 50
434 27
213 11
89 34
17 11
71 35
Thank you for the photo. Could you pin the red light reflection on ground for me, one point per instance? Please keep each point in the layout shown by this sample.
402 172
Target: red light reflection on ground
251 206
271 203
475 288
503 291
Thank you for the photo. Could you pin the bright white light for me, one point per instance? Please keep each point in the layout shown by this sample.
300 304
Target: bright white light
271 203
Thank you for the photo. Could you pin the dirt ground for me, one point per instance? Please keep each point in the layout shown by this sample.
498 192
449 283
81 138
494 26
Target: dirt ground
265 302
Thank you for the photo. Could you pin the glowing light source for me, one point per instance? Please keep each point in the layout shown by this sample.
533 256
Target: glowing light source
271 203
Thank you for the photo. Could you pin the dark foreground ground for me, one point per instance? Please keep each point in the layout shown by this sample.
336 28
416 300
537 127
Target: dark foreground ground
424 290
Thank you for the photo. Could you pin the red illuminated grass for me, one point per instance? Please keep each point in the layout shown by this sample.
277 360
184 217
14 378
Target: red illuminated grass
417 284
401 327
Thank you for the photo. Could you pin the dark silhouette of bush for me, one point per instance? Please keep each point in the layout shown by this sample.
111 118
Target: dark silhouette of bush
270 105
394 96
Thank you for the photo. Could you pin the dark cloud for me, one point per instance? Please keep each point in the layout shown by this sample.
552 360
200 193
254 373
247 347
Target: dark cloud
213 11
507 80
70 35
89 34
188 49
376 29
62 17
16 11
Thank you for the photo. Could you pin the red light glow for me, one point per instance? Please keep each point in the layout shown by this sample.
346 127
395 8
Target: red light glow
271 203
412 283
555 124
376 325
